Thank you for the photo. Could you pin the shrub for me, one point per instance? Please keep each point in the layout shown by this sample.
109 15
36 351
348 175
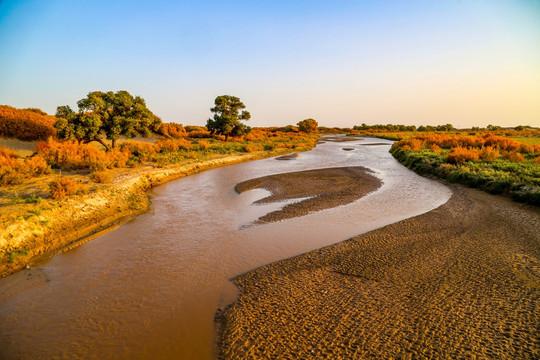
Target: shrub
101 177
173 130
488 153
70 155
513 156
31 124
14 170
251 148
203 144
459 155
199 134
172 145
64 186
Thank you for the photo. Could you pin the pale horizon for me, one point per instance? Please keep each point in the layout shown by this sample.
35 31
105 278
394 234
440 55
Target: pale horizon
422 63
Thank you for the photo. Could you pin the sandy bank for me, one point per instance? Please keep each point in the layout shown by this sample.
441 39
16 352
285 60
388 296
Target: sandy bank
32 232
462 281
321 188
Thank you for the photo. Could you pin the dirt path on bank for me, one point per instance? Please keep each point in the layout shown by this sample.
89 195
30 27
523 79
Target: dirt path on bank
462 281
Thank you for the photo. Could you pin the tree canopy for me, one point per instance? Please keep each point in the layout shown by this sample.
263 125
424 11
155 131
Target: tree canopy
227 117
308 125
106 115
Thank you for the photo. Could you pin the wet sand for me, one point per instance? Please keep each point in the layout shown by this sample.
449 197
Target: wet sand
320 188
461 281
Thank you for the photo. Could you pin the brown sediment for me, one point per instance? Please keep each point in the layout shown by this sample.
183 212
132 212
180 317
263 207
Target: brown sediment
462 281
323 188
340 138
348 149
288 157
30 233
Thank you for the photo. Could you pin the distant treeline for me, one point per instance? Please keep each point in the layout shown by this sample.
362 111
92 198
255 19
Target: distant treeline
430 128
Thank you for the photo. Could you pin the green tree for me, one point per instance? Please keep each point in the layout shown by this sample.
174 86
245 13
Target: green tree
106 115
227 117
308 125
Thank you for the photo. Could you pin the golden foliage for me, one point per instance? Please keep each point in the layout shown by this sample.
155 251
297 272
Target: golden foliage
173 145
70 155
63 186
30 124
14 170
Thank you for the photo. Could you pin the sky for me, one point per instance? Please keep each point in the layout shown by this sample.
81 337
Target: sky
343 63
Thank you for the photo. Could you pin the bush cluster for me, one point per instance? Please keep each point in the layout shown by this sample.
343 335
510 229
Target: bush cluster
14 170
64 186
495 164
70 155
28 125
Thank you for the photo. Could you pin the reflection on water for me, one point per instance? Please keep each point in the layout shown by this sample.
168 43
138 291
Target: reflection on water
150 288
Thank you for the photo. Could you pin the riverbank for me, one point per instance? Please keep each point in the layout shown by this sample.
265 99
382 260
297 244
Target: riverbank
36 227
460 281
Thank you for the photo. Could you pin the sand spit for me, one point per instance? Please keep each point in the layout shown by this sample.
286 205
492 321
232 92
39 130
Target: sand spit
288 157
323 188
462 281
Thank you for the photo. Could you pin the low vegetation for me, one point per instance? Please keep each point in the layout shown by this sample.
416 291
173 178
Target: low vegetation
25 124
493 163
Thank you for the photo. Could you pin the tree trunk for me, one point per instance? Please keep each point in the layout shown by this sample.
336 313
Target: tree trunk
226 137
103 143
113 143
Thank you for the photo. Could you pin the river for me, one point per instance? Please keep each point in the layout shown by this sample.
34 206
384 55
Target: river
150 288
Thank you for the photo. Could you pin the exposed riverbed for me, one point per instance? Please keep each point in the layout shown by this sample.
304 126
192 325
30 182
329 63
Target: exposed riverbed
150 288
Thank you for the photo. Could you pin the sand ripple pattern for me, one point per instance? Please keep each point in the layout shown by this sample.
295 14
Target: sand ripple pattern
462 281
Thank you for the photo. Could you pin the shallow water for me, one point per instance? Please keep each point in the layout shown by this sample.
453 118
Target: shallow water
150 288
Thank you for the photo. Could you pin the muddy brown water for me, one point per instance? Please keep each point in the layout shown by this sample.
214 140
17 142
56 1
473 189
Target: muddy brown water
150 289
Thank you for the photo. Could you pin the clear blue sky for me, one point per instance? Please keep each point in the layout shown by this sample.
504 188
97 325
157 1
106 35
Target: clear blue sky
341 62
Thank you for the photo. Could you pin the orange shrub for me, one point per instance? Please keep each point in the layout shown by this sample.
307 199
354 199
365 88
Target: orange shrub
143 151
435 147
203 144
488 153
63 186
14 170
173 130
198 134
459 155
70 155
172 145
255 135
101 177
252 147
7 152
25 124
513 156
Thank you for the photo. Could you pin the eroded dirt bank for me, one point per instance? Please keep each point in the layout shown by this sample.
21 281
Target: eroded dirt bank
462 281
322 188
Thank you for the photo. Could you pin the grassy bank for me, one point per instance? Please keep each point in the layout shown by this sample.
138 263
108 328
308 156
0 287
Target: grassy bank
494 164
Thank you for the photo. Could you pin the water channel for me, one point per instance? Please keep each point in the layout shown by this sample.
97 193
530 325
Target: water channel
150 288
